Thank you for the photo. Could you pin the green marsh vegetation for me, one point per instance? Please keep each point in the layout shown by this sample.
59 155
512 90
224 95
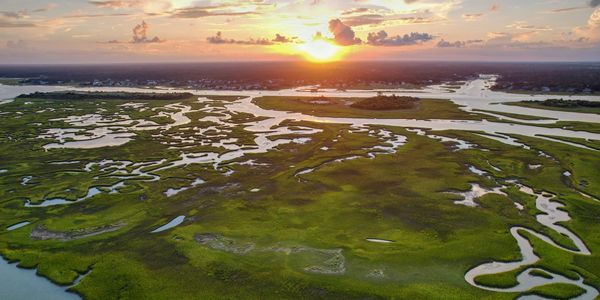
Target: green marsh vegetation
348 107
272 234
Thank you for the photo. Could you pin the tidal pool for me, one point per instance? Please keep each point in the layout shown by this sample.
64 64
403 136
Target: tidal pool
170 225
17 226
380 241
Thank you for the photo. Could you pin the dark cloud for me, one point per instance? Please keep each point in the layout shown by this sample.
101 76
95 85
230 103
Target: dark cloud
281 39
567 9
14 14
219 39
381 39
343 34
458 44
140 36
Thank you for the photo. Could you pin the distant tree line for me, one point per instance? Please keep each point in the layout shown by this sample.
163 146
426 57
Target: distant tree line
107 96
535 77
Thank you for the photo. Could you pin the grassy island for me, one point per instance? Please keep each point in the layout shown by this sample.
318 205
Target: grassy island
381 102
381 107
582 106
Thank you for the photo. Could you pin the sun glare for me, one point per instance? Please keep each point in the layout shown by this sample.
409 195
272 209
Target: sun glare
319 50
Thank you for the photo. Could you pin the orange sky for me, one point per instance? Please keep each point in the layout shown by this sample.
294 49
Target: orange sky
188 30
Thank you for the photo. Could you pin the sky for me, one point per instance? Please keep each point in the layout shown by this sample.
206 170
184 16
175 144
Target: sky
118 31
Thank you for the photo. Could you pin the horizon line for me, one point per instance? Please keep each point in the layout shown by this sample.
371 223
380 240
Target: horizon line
298 62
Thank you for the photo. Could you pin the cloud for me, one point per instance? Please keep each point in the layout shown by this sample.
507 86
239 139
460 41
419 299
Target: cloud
219 39
591 30
381 39
478 15
505 38
202 12
594 20
150 7
48 7
356 10
343 34
380 15
367 19
567 9
521 25
14 14
203 9
457 44
281 39
12 24
140 34
84 16
472 17
116 3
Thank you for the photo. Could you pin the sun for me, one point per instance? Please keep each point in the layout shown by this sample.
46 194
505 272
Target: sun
320 50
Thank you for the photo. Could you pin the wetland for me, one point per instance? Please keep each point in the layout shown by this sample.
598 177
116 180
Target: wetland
297 193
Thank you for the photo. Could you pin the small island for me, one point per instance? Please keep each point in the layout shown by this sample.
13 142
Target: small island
377 107
381 102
